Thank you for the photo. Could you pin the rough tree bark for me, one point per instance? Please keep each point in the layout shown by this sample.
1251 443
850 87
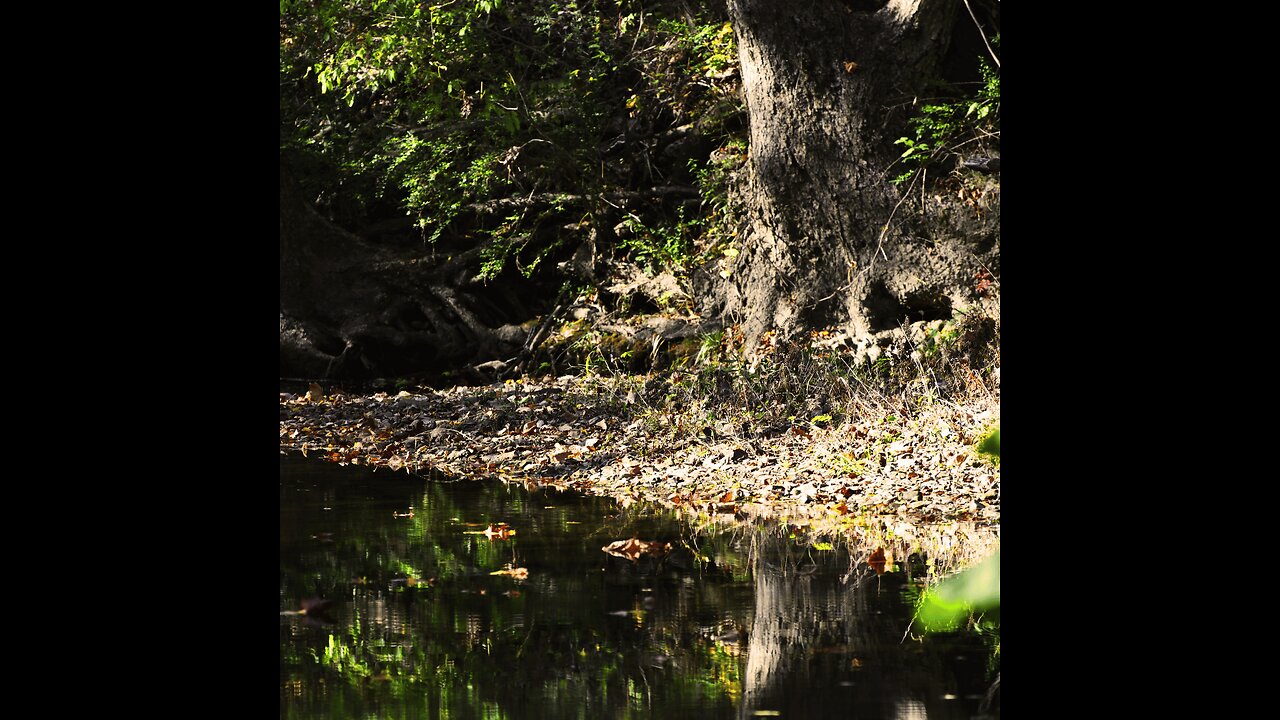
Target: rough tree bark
820 79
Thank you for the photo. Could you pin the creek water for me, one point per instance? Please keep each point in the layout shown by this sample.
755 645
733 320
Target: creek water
413 611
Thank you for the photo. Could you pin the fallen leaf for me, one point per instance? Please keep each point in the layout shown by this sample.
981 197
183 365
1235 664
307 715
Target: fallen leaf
633 548
877 561
501 531
517 573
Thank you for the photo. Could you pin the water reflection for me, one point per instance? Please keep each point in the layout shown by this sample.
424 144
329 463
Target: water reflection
429 616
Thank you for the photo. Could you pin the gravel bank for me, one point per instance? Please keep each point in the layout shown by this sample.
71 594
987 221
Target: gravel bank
598 436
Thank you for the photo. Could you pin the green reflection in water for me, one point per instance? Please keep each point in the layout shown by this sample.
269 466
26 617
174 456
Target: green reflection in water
421 628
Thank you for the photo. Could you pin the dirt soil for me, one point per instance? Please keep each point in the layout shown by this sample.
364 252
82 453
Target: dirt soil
597 436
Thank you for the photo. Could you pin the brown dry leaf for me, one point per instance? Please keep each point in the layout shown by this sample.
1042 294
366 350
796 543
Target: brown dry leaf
877 561
633 548
500 531
797 430
728 497
842 509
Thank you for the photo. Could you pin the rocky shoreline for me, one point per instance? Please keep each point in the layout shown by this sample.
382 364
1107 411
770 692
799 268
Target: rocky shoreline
598 436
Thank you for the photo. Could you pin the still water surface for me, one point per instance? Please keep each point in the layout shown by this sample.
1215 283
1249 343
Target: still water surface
733 622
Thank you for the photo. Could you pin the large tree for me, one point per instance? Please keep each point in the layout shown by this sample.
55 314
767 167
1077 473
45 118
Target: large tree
449 171
828 84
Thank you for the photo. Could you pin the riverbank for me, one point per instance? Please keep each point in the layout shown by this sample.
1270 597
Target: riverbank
695 441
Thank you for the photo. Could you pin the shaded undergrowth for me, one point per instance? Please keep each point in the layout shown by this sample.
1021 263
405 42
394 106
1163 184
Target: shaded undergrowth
709 385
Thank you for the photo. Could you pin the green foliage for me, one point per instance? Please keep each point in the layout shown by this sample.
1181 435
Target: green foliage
975 590
990 444
941 128
667 246
710 48
393 107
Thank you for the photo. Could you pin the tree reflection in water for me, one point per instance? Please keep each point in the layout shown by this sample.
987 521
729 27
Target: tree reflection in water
732 621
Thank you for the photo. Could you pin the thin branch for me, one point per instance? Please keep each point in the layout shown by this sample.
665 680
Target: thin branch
980 32
623 196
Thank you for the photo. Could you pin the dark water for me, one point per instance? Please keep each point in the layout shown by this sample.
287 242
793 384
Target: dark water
731 623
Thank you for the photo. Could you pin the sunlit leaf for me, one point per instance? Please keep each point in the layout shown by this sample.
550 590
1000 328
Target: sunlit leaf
517 573
974 590
990 444
500 531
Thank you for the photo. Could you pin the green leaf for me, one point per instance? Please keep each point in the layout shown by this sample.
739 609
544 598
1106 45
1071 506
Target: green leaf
990 445
974 590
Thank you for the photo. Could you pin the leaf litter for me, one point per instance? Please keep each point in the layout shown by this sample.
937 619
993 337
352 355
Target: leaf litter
579 433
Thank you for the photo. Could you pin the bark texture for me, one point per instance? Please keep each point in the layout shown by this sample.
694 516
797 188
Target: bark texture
827 86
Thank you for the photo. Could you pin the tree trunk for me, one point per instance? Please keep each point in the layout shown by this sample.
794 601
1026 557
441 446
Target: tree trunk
821 81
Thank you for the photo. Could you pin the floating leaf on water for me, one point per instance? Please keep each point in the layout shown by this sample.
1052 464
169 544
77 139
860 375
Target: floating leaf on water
633 548
500 531
517 573
877 561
